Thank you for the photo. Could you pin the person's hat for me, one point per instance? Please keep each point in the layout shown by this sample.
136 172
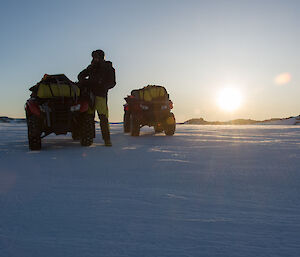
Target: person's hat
98 54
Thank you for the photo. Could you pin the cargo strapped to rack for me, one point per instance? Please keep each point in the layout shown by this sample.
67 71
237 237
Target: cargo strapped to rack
55 86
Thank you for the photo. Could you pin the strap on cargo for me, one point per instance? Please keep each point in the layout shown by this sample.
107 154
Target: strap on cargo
73 87
49 85
70 90
58 83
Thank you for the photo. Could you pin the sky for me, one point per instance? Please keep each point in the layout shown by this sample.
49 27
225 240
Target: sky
193 48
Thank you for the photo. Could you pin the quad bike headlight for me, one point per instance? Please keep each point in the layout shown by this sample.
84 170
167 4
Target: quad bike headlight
45 108
75 108
42 108
144 107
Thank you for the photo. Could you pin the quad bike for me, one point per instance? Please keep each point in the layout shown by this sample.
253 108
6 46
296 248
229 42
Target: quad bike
56 106
149 106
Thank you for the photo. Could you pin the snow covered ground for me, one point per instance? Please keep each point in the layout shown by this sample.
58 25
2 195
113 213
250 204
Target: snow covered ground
207 191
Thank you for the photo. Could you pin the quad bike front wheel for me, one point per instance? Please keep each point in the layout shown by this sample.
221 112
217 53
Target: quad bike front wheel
34 133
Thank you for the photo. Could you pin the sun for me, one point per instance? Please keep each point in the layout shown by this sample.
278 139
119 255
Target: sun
229 99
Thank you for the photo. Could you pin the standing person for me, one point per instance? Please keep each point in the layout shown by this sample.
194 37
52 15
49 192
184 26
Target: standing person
99 77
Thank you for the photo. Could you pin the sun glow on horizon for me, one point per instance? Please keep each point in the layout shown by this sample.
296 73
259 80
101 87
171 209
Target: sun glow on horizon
229 99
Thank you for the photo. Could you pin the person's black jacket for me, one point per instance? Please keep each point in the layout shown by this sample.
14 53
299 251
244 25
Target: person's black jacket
99 78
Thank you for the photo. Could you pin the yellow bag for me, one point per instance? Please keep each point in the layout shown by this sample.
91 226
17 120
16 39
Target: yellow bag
162 92
57 90
145 95
150 93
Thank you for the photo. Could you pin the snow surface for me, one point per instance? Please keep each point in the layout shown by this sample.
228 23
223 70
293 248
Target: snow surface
207 191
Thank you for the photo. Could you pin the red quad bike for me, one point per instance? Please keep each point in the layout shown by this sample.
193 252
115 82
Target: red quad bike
56 107
149 106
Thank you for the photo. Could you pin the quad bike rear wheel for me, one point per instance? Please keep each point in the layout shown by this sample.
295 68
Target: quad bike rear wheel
87 129
34 133
170 125
76 134
126 122
134 126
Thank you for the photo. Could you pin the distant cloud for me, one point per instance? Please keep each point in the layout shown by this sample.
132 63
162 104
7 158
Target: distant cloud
283 78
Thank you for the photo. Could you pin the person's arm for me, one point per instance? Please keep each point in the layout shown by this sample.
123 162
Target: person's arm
84 74
110 80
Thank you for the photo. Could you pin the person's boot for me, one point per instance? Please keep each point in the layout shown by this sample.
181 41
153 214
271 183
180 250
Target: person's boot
105 130
107 142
